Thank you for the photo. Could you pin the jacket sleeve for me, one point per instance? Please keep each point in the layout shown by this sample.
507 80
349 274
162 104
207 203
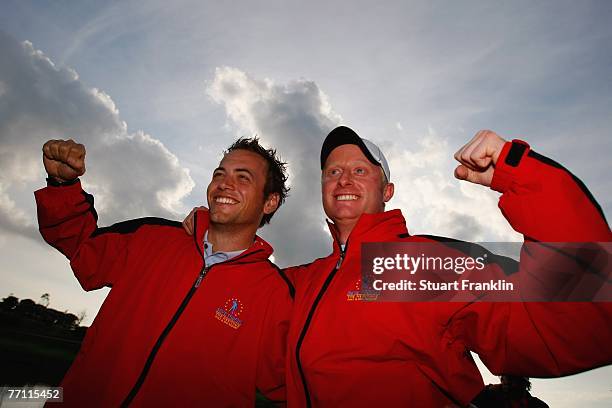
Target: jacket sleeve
273 346
546 203
67 221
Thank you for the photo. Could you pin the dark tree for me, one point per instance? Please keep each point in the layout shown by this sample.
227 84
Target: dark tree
9 303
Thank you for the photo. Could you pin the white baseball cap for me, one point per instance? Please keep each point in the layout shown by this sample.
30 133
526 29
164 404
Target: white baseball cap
344 135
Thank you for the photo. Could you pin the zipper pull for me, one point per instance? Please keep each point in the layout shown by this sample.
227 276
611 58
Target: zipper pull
342 255
201 276
340 260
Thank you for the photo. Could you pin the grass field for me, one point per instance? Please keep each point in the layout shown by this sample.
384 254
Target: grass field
28 357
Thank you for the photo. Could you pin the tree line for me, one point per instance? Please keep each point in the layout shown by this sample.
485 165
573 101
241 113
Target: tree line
40 312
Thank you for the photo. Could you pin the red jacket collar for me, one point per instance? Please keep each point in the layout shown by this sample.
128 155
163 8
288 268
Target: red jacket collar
259 250
377 227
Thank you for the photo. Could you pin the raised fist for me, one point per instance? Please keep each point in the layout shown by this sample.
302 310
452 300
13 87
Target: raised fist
478 158
64 160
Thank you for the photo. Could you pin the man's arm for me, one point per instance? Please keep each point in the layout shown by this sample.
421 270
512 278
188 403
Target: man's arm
561 222
540 198
68 221
546 203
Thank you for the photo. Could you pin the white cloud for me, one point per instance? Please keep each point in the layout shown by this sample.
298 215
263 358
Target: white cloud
295 117
131 174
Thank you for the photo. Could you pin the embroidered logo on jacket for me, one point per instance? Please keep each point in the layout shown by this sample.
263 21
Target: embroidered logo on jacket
362 292
229 313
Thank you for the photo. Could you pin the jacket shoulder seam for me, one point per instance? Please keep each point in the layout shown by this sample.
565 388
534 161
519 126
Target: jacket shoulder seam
579 183
130 226
507 264
284 277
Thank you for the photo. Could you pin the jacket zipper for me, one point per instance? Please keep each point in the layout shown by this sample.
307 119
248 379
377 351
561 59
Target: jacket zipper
162 337
298 347
145 371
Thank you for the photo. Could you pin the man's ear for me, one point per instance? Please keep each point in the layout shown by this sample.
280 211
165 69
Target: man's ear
271 203
388 191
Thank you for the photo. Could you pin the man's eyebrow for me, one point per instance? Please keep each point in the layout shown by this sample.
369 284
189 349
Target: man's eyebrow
219 168
360 160
246 171
351 162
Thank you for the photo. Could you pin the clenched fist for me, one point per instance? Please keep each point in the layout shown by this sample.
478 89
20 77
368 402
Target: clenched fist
478 158
64 160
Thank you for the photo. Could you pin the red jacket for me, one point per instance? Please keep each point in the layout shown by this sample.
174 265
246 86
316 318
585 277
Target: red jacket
346 352
171 332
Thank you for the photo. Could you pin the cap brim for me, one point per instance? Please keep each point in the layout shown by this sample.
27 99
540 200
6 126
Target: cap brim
343 135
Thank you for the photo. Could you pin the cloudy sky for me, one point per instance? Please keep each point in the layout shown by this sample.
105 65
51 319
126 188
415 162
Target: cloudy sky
156 90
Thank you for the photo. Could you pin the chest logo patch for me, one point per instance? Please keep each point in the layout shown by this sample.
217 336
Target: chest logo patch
230 312
362 292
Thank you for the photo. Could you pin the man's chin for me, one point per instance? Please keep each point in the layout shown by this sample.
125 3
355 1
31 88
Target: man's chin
344 215
217 217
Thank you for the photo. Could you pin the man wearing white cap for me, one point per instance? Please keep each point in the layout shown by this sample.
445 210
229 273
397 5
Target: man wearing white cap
344 351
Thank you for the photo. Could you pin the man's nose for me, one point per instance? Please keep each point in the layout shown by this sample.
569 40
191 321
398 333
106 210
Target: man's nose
345 179
228 183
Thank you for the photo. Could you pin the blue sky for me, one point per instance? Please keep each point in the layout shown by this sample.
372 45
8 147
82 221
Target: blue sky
156 90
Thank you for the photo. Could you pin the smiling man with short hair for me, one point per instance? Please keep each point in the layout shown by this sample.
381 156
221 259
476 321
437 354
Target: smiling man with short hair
347 351
351 185
188 322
